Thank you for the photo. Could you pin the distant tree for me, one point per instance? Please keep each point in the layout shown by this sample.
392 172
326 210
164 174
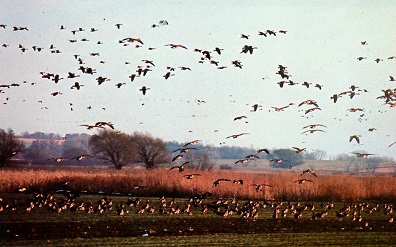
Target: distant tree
37 152
149 150
371 164
290 158
9 146
114 147
76 152
200 161
345 157
25 134
225 167
317 154
233 152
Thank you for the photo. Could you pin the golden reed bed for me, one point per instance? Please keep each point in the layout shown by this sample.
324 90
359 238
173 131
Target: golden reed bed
171 183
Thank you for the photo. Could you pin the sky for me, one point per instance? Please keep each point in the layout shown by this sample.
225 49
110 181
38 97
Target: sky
321 45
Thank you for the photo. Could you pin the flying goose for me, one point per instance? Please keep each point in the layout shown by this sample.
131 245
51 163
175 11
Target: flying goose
356 137
309 171
301 181
190 176
217 182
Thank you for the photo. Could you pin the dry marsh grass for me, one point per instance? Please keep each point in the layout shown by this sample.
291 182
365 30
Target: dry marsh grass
171 183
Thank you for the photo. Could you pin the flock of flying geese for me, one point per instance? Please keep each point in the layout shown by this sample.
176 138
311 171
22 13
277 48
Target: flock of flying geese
206 56
258 187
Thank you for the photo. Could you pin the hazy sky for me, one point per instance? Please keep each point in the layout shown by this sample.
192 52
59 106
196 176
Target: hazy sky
321 46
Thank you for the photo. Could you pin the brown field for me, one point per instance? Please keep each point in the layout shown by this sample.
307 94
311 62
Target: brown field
171 183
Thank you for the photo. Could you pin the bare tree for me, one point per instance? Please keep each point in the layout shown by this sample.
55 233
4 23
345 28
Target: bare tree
200 161
9 146
371 164
113 146
149 150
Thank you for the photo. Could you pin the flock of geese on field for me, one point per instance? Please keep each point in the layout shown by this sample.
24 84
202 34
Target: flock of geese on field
355 213
208 56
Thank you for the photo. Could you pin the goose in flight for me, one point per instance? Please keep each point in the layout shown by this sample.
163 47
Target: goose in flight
362 155
248 48
237 63
279 109
57 159
218 50
238 181
120 84
259 186
301 181
261 33
89 127
101 79
180 168
131 40
356 137
299 150
167 75
252 156
255 107
183 150
174 46
179 156
309 171
377 60
217 182
335 97
309 102
243 161
236 136
314 126
144 89
239 118
312 109
56 93
76 86
193 142
311 131
271 32
80 157
306 84
318 86
190 176
277 160
390 145
355 109
103 124
262 150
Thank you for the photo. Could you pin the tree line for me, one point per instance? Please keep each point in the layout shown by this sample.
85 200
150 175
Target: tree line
142 149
